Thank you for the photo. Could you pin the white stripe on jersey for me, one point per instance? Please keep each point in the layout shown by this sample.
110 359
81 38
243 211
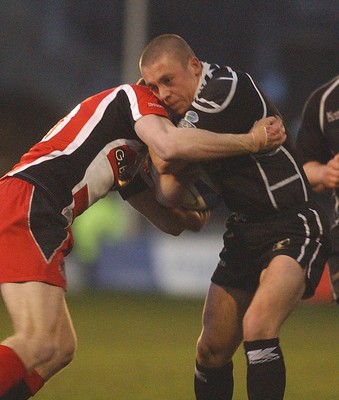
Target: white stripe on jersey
307 240
100 166
80 137
284 182
133 101
277 185
322 103
287 153
56 129
216 107
315 254
267 185
264 115
87 127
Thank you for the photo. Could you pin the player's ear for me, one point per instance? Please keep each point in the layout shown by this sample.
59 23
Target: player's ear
141 82
195 65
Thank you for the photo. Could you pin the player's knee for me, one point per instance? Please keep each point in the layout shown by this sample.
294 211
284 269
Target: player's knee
65 353
48 349
42 349
209 354
256 327
63 358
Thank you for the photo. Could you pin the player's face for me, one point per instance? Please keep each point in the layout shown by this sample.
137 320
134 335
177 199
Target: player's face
173 83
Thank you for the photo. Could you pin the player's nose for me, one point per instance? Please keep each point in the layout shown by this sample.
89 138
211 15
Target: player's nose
164 93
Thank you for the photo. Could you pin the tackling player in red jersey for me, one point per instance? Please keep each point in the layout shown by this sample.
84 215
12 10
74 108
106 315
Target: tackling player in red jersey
97 147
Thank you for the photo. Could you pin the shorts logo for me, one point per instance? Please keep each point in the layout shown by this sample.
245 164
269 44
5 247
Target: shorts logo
283 244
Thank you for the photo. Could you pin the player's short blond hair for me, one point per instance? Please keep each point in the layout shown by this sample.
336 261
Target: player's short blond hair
168 43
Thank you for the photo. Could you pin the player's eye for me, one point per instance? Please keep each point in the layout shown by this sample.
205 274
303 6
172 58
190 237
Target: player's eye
153 88
168 81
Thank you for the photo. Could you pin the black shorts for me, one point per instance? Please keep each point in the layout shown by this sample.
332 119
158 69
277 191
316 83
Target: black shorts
249 246
335 238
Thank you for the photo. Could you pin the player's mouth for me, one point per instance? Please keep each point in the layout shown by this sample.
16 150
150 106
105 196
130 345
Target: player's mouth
175 106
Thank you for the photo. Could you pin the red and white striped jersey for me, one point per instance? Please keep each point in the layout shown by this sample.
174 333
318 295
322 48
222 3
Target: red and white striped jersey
93 150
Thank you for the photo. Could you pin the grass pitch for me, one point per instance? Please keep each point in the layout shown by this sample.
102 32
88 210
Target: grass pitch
141 347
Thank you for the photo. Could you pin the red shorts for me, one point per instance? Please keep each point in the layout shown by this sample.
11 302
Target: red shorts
34 235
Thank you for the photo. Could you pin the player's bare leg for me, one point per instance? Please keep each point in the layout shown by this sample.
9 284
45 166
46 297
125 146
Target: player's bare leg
39 314
281 288
220 337
66 343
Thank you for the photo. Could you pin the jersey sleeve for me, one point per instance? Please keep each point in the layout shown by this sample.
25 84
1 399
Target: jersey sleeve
143 102
230 101
311 143
137 185
217 92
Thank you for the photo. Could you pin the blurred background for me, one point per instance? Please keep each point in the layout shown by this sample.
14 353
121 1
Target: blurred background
53 54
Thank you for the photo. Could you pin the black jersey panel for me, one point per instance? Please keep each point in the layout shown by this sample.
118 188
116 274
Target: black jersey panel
316 142
260 185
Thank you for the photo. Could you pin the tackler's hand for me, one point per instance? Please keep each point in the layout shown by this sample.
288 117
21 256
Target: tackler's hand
194 220
268 133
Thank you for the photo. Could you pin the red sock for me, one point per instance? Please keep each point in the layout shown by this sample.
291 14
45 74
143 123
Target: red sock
34 381
12 369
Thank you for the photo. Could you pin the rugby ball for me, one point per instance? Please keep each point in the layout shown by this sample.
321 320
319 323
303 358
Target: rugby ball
201 194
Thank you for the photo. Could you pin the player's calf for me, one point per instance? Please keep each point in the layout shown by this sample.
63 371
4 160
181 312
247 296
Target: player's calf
333 266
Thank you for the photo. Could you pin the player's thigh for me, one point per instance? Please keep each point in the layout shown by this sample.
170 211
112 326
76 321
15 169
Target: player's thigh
34 307
282 285
222 319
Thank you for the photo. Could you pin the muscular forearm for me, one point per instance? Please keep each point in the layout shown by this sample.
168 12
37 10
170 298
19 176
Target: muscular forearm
193 145
315 172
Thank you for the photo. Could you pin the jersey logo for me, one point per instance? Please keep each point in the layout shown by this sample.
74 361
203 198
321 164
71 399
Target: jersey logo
190 118
151 104
332 116
122 161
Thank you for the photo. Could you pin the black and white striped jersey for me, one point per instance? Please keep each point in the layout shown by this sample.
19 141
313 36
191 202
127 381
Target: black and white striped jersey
91 151
318 137
258 184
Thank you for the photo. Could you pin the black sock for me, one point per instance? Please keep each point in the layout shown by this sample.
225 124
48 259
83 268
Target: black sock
266 375
213 383
21 391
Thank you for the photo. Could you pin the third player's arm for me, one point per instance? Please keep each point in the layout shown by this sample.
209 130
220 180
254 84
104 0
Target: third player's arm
323 176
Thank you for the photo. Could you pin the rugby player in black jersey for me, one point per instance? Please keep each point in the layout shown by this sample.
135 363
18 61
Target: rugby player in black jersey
276 242
318 145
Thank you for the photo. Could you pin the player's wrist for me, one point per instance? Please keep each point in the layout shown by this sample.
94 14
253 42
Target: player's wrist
259 138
